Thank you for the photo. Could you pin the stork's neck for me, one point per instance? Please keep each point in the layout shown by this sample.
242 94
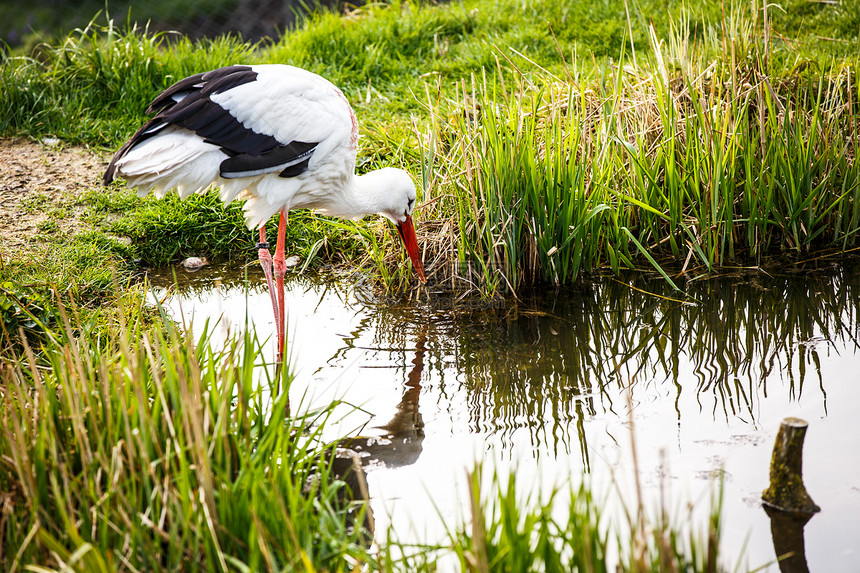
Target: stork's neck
389 192
367 192
361 195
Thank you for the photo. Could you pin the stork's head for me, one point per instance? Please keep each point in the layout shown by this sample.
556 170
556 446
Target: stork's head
396 196
395 192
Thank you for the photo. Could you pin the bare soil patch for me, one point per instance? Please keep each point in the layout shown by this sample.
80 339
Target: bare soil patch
40 186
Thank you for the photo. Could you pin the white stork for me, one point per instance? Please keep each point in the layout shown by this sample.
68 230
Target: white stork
277 136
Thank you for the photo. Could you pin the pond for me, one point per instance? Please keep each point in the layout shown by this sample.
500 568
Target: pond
540 386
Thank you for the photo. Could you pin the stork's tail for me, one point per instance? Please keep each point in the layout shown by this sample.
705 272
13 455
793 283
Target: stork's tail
149 129
169 157
161 157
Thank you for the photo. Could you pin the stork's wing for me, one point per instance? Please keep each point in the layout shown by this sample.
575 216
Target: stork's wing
267 119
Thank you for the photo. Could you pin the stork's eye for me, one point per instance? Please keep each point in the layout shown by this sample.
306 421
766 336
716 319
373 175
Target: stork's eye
409 204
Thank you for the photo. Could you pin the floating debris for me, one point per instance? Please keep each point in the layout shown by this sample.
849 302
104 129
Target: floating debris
194 263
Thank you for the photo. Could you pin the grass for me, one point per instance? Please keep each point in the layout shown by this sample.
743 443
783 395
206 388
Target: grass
698 165
165 230
510 534
684 141
83 267
134 448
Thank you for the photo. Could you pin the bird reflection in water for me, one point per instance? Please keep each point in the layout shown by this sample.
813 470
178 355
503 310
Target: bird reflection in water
400 443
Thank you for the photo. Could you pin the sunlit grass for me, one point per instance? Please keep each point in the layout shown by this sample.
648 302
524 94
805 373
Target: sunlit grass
166 230
513 528
680 162
138 449
680 140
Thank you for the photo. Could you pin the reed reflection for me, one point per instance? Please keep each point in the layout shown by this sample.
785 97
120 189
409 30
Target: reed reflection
541 366
554 359
547 363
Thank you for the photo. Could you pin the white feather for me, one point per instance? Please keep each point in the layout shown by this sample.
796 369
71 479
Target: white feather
267 196
175 156
230 189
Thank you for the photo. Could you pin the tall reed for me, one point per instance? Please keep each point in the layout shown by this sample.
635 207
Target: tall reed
509 533
689 156
141 450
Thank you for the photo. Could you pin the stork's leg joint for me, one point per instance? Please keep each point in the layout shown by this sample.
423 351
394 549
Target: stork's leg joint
280 267
266 262
265 257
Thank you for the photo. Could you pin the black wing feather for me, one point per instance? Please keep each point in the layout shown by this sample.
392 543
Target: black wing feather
182 87
287 157
187 104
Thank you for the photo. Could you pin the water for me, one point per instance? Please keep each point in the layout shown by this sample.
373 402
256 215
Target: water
540 387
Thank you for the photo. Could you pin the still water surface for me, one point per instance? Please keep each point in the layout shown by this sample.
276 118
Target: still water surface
540 388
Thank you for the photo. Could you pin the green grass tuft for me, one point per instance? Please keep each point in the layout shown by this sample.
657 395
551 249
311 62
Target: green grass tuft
553 139
509 533
138 449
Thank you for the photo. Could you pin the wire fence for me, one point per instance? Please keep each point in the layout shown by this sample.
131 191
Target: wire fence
24 24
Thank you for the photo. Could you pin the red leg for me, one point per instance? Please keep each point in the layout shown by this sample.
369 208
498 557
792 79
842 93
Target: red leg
280 267
266 262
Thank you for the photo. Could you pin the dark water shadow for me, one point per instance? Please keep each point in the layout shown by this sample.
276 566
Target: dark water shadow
551 360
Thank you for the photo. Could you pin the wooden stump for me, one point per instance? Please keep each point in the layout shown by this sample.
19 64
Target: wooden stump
786 491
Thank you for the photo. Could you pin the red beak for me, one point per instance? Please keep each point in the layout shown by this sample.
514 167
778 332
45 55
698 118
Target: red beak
407 234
